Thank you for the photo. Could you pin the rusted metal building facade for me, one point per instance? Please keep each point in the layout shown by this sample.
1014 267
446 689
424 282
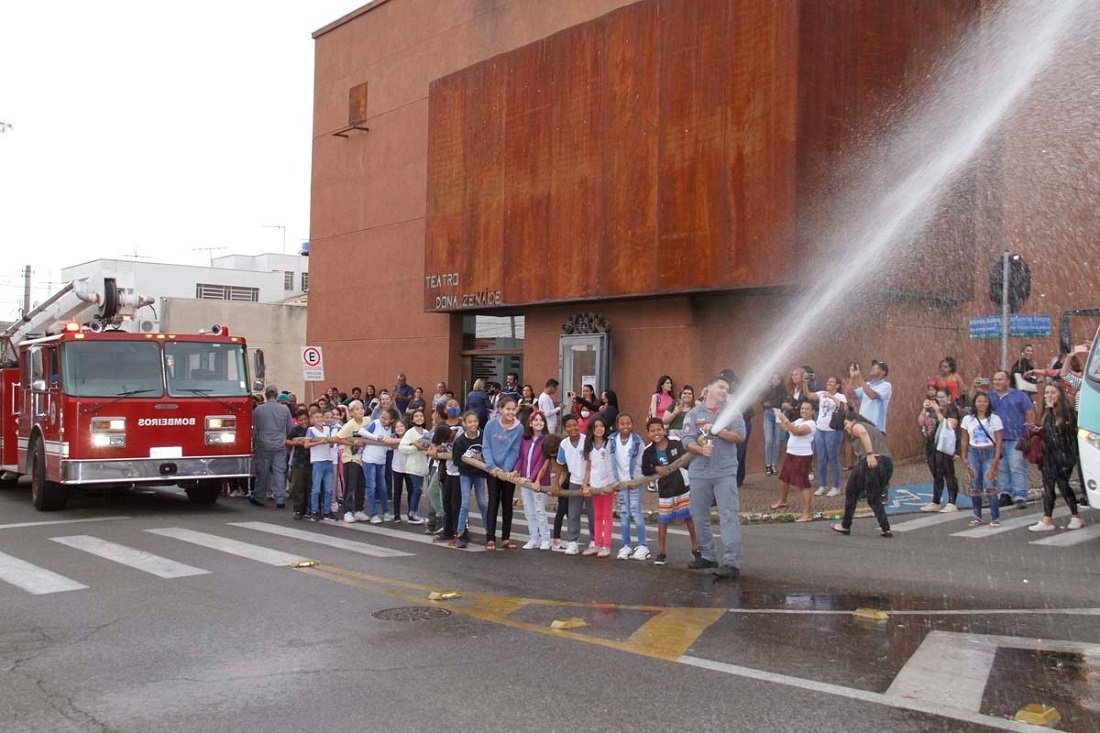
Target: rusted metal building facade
495 179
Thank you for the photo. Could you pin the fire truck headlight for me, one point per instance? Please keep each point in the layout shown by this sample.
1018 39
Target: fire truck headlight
221 430
109 432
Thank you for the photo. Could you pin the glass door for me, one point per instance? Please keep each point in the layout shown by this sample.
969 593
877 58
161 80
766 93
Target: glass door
584 359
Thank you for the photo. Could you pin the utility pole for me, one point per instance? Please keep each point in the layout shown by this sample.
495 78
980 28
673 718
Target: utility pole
26 290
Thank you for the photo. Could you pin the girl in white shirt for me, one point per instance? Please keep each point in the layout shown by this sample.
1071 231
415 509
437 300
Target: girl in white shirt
799 459
599 474
981 450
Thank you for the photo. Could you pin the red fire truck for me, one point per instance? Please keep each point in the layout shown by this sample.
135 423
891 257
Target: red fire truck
88 404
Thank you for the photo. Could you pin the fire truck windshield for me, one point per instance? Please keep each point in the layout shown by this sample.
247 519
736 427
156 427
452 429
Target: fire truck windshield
205 369
111 368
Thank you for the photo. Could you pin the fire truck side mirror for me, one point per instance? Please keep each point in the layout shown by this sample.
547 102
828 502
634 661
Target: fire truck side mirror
259 369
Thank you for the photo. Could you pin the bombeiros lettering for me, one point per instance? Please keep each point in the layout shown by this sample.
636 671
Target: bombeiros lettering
156 422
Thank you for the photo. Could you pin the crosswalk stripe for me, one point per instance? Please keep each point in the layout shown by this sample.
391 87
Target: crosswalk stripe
147 562
1007 525
233 547
361 548
402 535
34 579
1069 537
928 520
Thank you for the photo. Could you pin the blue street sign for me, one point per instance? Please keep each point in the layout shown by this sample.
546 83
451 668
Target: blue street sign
1019 324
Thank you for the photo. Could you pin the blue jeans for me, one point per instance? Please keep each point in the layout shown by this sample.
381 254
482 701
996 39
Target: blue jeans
630 508
377 491
707 491
477 483
771 439
1012 475
320 495
981 460
827 447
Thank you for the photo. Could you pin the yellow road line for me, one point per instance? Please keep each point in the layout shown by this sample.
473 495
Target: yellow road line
667 635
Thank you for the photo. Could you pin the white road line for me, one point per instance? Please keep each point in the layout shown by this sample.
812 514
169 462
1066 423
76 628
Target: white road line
58 521
223 544
923 676
1007 525
34 579
361 548
147 562
1069 537
423 539
928 520
955 666
929 708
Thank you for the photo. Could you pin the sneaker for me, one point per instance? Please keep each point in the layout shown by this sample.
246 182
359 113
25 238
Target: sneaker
362 517
660 559
1021 504
820 491
330 517
640 553
725 572
571 549
388 517
417 519
315 517
255 502
701 563
835 491
697 554
624 553
603 552
459 543
590 550
1075 523
930 507
948 508
1041 526
297 515
530 545
376 519
280 506
350 518
544 545
1005 500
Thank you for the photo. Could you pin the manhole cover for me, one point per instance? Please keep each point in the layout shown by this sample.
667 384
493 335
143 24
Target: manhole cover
410 613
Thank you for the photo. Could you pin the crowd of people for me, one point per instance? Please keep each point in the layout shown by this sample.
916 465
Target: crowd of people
354 457
357 456
997 427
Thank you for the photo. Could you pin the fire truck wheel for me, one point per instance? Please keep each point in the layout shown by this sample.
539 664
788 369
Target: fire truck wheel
204 492
47 495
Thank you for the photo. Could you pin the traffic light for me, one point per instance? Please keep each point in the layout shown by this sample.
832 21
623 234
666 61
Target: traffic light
1019 282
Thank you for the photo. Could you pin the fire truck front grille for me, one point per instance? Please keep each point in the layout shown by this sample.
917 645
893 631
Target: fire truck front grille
138 470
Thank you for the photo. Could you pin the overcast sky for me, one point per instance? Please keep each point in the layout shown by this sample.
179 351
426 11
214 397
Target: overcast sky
152 129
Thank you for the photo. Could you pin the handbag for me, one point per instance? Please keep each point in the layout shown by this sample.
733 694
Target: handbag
945 439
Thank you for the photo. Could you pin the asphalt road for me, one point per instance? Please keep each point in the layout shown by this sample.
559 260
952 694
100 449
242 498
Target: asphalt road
108 625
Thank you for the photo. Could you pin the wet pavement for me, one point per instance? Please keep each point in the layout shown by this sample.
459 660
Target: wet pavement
975 628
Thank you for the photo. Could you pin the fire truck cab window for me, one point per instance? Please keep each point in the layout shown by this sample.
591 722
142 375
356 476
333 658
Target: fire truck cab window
111 369
205 369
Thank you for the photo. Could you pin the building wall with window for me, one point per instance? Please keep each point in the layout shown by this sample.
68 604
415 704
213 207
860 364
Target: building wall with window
235 278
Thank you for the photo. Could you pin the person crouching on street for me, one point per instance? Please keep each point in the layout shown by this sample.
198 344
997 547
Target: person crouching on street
871 475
